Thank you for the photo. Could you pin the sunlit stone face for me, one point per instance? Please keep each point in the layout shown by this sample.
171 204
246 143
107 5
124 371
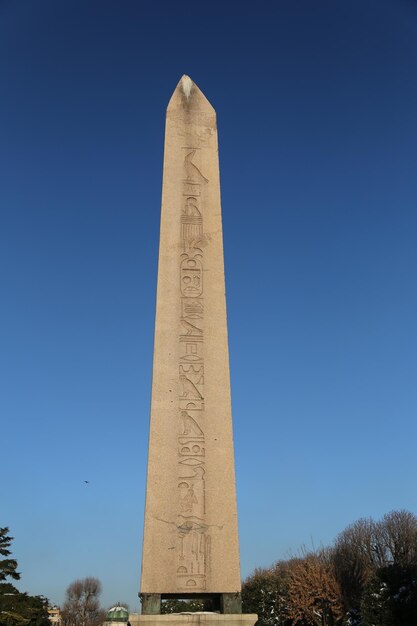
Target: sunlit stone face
190 538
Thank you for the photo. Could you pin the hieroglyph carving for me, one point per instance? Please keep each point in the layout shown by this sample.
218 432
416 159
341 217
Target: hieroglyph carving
193 539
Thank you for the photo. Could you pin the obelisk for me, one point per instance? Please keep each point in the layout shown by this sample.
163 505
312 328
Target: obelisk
190 546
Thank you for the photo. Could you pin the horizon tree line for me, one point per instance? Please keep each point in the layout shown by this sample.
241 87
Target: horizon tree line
367 577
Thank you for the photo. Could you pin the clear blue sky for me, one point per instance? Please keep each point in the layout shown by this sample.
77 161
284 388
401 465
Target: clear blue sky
316 105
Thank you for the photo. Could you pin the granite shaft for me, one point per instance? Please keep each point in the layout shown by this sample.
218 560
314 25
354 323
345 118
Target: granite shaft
190 534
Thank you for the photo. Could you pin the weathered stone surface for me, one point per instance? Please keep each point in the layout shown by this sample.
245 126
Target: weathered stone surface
190 537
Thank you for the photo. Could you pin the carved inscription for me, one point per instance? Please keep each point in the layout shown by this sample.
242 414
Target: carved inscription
191 222
193 539
191 276
200 133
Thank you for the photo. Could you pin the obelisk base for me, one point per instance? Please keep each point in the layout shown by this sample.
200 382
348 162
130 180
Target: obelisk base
196 619
224 603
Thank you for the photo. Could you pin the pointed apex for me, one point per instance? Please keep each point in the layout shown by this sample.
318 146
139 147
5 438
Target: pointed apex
188 97
186 84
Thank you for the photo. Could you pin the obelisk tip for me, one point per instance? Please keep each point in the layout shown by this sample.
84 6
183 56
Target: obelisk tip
186 85
187 96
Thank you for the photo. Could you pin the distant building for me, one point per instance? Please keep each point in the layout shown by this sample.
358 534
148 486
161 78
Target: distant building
54 613
117 616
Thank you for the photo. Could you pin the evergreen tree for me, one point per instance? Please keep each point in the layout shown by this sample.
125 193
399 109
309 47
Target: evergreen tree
21 609
265 593
390 597
16 608
7 566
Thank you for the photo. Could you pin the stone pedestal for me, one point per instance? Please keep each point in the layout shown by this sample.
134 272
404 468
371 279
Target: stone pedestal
196 619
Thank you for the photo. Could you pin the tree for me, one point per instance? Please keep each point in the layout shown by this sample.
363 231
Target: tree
390 597
314 593
356 556
7 566
16 608
366 547
82 606
367 578
398 537
265 593
21 609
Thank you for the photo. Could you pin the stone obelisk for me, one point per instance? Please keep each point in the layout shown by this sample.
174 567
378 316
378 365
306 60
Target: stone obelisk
190 546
